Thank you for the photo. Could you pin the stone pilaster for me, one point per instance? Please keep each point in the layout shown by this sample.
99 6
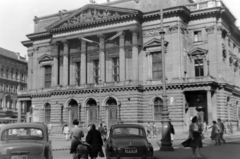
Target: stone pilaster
65 63
30 69
83 63
209 107
55 69
102 58
135 54
122 58
19 107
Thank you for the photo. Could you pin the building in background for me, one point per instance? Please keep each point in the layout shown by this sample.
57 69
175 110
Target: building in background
13 76
102 63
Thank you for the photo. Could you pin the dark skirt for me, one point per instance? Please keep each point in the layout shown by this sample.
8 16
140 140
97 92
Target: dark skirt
197 142
74 145
96 148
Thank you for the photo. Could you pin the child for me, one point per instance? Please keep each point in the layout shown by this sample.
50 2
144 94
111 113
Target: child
66 132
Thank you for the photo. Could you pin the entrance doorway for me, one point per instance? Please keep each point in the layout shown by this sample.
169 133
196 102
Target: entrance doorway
112 111
92 111
73 111
196 106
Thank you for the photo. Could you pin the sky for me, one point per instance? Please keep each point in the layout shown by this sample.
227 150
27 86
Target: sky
17 17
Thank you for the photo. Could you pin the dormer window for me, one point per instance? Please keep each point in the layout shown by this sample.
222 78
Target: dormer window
197 36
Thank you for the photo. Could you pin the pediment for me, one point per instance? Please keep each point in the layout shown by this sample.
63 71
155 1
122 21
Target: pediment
197 51
45 57
92 13
154 43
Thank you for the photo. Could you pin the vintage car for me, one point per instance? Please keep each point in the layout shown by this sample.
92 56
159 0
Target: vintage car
25 141
128 141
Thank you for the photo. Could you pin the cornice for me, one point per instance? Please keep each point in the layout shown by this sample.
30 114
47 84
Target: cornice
39 36
27 43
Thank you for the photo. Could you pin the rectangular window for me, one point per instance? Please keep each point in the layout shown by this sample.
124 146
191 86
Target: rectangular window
96 71
12 74
2 72
78 71
199 71
156 66
115 62
6 73
48 76
197 36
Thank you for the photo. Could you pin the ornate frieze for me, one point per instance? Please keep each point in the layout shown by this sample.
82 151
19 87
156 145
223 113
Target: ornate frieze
90 15
154 31
210 29
44 49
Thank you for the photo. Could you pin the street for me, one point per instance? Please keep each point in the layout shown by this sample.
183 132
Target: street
228 151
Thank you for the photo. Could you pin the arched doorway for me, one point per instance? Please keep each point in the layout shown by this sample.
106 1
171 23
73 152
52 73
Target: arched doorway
92 111
72 111
112 111
47 113
158 105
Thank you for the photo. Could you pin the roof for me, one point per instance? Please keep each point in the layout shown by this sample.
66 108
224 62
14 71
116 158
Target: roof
26 125
8 53
126 125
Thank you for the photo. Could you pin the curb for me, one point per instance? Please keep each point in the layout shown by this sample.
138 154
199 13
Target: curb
61 149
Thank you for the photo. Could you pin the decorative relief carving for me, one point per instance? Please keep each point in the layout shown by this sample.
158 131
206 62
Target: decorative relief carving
224 52
44 49
210 30
154 31
91 15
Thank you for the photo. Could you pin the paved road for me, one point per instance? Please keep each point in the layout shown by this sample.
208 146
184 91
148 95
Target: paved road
231 150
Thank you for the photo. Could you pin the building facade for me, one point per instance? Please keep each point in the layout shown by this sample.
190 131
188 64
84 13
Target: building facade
102 63
13 75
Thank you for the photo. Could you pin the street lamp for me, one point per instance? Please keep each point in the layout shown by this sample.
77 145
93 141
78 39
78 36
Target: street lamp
166 144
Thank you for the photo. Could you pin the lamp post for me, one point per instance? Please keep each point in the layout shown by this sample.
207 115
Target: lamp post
166 144
100 103
101 74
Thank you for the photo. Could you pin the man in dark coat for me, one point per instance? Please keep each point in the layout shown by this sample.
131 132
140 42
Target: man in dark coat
95 140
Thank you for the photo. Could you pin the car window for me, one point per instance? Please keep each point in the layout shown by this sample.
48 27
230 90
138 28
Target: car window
128 131
22 134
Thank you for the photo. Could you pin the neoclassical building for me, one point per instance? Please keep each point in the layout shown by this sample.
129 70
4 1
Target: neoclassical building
13 75
102 63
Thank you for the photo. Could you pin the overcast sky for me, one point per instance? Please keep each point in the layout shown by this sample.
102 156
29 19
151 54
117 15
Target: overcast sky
17 17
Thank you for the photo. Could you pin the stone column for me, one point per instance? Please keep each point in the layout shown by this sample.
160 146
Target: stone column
209 107
19 107
55 64
135 54
122 58
42 72
30 58
72 72
83 63
102 58
65 63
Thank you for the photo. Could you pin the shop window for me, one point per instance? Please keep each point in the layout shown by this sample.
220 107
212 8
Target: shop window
197 36
96 71
156 66
48 76
199 69
78 71
115 62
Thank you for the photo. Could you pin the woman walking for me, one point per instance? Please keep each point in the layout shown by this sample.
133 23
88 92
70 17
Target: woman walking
95 140
76 134
195 132
215 133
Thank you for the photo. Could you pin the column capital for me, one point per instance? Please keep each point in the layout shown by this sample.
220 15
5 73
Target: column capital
101 36
122 35
135 31
65 42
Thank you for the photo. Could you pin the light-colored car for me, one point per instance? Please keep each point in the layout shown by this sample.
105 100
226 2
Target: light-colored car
25 141
128 141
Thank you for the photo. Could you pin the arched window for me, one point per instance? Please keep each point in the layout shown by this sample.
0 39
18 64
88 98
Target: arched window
92 104
158 104
47 109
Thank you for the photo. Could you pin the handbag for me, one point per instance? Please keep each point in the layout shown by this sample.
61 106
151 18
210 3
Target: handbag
100 153
187 142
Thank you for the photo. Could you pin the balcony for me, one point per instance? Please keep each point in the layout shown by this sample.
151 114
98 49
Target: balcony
198 79
204 5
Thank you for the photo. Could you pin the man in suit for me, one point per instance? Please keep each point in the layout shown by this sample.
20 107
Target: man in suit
221 131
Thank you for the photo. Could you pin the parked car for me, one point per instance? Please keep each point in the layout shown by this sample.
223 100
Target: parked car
128 140
25 141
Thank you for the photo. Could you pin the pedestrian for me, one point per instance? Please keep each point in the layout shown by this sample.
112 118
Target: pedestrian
154 130
95 140
49 129
66 132
148 129
105 133
221 131
215 133
76 135
205 127
172 131
101 130
195 132
230 128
